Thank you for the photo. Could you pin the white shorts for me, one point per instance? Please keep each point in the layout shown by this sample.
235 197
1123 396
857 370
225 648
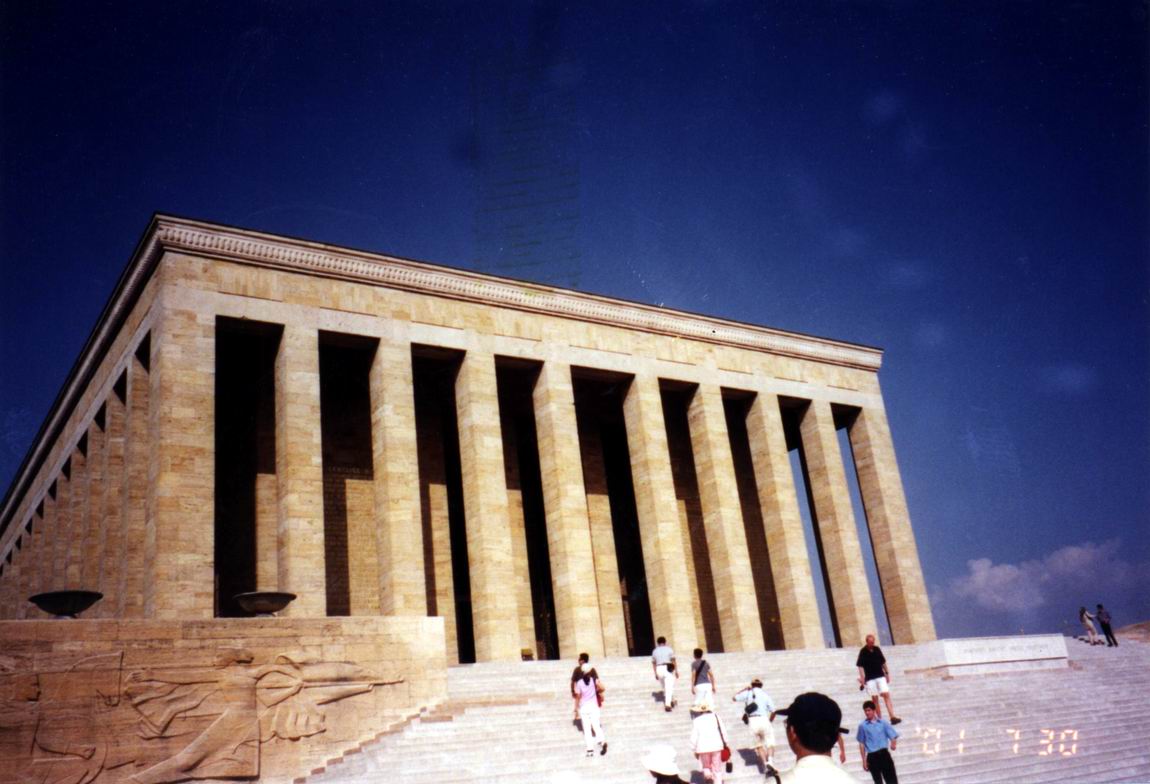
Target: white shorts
877 686
762 730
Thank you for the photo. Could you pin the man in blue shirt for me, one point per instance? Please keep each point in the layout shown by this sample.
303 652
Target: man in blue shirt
875 734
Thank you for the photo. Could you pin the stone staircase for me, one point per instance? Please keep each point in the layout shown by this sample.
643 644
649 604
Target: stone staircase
512 722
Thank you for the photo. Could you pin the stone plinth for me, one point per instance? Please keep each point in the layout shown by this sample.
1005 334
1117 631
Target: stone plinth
169 701
981 655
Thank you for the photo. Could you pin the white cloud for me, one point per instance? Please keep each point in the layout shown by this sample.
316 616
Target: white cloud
1086 570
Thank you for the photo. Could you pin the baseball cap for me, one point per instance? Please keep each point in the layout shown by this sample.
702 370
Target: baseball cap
815 718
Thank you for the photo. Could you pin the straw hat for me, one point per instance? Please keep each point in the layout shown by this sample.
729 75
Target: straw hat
661 760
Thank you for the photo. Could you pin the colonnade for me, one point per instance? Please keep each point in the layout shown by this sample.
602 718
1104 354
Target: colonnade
132 513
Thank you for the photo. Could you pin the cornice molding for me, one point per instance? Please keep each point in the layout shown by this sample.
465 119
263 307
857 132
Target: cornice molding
434 280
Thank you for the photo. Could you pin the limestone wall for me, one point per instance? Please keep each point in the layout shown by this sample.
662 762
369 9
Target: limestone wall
155 701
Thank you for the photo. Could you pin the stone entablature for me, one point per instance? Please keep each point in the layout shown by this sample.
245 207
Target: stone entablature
127 464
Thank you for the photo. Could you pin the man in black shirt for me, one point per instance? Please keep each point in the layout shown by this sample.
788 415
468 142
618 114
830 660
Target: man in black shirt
875 677
1103 617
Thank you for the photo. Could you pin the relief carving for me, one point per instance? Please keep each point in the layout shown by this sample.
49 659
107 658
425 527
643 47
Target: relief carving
189 723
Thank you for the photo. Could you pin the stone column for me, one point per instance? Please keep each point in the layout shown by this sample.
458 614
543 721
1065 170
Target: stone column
395 472
837 530
41 579
10 581
30 554
179 542
603 542
435 516
565 504
92 551
494 606
783 525
301 566
723 521
267 535
134 496
659 528
63 533
895 551
517 519
112 560
78 535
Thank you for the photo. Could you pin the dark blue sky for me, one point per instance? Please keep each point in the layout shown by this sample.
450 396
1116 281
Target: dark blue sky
963 184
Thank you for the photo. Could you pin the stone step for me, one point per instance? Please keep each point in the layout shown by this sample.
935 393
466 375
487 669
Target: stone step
541 759
511 722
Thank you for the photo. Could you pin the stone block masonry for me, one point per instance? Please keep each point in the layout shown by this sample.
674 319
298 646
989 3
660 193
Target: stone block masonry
546 471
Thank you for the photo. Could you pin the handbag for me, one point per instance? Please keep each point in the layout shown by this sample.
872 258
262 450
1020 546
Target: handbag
725 754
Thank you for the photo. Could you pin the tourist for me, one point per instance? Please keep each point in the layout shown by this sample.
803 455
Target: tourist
708 739
702 679
812 731
587 690
663 663
875 677
877 739
1088 624
758 713
660 763
1103 616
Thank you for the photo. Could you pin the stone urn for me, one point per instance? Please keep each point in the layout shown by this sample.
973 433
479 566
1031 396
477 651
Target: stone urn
65 604
263 604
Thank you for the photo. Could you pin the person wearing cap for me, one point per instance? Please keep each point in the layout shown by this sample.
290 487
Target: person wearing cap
877 739
813 729
875 677
759 713
708 737
660 763
663 663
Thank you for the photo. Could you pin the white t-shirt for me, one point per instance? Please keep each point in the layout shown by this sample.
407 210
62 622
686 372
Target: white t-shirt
817 769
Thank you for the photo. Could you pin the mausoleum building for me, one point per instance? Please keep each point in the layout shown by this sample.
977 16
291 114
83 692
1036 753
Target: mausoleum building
548 471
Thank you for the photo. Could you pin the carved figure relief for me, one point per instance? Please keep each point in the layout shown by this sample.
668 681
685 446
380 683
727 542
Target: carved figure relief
190 723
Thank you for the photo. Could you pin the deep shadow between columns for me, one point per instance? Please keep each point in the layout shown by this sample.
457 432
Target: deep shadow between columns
516 382
345 417
676 401
736 404
607 470
437 432
792 411
245 447
845 418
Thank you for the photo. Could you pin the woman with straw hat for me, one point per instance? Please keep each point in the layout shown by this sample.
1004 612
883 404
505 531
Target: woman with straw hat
708 739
